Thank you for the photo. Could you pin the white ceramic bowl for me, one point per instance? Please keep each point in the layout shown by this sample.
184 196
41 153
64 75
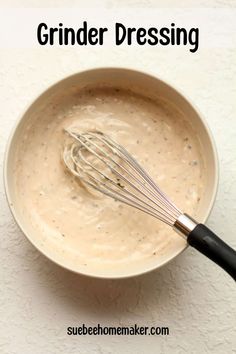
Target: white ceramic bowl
138 82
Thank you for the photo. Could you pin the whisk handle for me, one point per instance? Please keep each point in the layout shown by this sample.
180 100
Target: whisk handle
206 242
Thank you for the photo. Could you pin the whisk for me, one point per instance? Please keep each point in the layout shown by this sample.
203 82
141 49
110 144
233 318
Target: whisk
103 164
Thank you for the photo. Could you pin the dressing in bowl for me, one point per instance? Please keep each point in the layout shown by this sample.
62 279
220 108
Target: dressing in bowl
89 232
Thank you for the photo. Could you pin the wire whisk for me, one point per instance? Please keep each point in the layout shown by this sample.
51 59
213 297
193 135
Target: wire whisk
103 164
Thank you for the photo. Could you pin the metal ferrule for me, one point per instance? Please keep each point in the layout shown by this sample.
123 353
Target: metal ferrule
184 225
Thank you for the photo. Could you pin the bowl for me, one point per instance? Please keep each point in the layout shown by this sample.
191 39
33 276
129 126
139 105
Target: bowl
137 82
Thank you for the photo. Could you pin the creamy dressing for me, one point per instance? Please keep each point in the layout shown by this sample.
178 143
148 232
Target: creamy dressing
93 228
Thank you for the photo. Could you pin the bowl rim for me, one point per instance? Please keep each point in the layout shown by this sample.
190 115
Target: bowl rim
151 75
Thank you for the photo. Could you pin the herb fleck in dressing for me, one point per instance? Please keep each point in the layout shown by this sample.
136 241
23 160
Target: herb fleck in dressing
88 227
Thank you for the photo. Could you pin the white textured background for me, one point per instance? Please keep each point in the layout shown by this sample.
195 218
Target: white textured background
38 299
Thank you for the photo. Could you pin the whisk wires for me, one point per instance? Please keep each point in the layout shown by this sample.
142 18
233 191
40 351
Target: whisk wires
101 163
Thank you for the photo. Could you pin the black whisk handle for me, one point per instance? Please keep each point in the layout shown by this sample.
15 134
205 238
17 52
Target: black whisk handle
206 242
